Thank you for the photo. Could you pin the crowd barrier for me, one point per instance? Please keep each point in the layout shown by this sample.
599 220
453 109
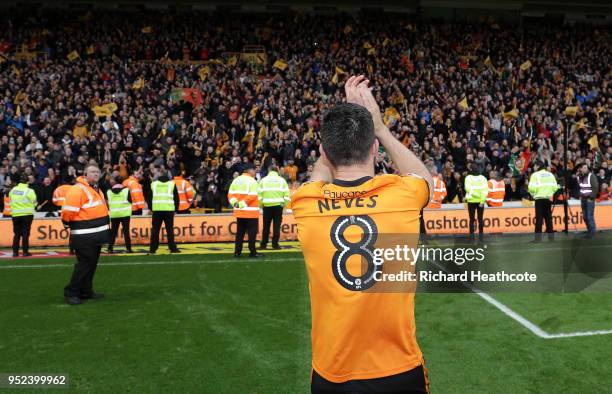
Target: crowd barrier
452 219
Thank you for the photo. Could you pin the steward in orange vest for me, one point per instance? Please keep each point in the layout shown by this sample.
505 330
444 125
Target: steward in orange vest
439 192
86 214
186 194
497 190
136 194
243 197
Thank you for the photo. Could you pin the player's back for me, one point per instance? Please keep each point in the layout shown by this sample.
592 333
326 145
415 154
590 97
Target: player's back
357 331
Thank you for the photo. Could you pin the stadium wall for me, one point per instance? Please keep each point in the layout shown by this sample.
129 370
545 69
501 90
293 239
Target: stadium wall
222 227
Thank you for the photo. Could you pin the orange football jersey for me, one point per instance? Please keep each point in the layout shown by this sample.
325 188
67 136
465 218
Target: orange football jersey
356 333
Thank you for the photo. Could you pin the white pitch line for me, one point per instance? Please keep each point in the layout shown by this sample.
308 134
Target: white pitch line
512 314
161 262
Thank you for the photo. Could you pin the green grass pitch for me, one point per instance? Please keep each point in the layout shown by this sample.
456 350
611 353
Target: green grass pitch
213 324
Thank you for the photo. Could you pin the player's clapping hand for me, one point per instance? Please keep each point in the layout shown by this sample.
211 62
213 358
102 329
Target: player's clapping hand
358 92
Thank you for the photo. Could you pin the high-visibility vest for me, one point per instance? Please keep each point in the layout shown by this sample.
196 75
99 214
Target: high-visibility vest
136 195
243 191
185 192
439 193
476 188
542 185
85 212
22 200
59 194
118 204
273 190
497 191
6 212
163 196
586 189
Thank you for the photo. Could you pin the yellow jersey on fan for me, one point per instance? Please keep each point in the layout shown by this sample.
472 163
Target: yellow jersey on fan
358 334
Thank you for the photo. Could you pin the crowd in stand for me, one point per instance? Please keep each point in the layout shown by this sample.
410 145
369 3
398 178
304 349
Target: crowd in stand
483 93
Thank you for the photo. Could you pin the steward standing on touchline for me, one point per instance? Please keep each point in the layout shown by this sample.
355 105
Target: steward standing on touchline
542 186
164 202
86 214
476 190
22 200
273 196
120 210
243 196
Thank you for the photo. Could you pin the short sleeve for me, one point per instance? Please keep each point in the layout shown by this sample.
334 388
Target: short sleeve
419 189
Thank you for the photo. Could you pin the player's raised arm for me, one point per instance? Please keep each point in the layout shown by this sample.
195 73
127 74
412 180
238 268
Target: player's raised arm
358 92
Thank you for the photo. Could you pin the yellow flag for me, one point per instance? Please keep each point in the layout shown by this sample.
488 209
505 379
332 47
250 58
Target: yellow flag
18 111
72 56
147 30
348 29
232 61
371 51
90 50
581 124
138 84
569 93
19 97
111 107
263 131
340 71
280 64
571 111
391 116
370 69
464 103
525 66
593 142
386 42
203 72
366 45
511 114
101 111
487 61
334 79
2 59
214 61
16 70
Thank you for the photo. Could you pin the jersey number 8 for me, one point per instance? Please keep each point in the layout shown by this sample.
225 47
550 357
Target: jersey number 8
346 249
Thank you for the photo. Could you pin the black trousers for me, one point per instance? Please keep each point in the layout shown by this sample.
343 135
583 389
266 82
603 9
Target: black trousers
138 212
21 231
125 227
271 215
167 218
413 381
473 208
249 226
81 282
543 211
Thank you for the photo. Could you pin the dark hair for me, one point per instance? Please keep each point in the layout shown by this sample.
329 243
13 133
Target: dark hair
272 168
473 169
23 178
538 163
347 134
